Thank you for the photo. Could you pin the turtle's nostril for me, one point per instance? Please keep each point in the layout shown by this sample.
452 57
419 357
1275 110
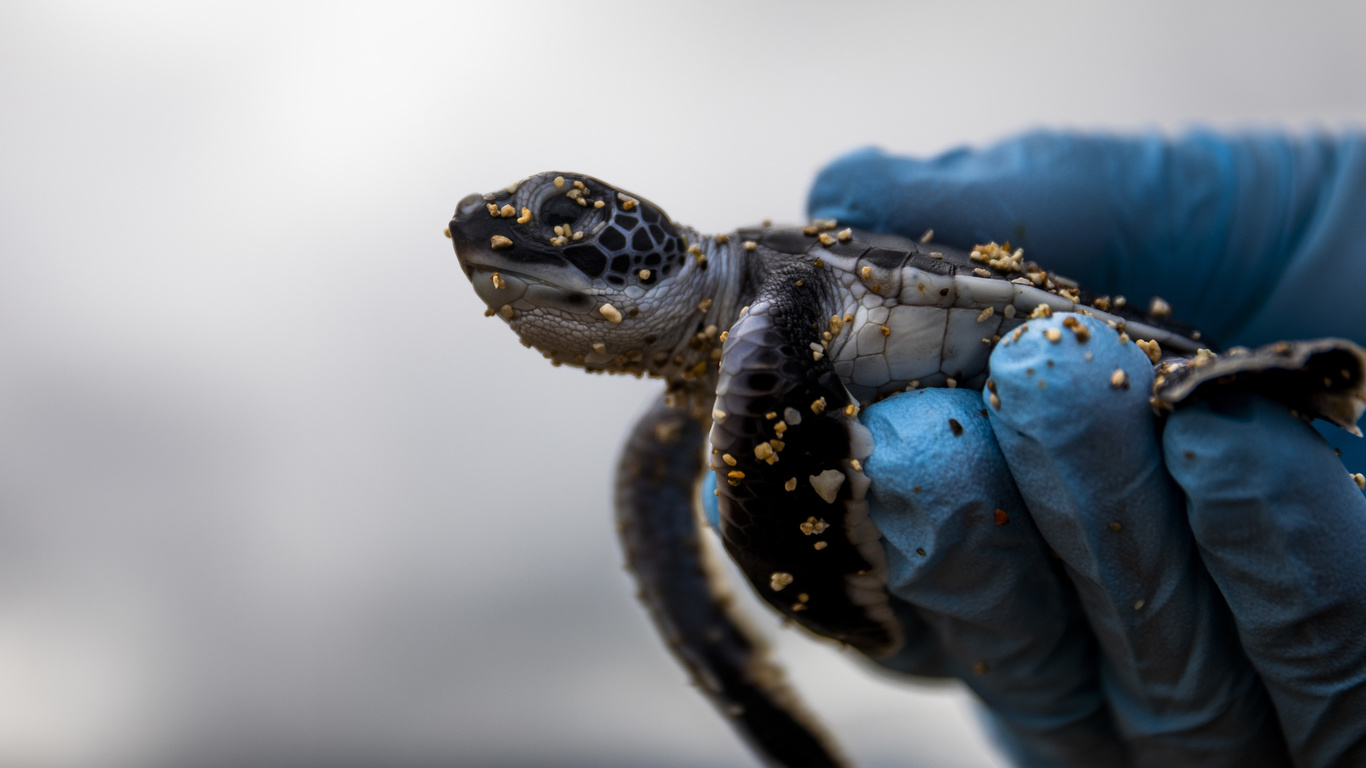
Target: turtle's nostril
468 206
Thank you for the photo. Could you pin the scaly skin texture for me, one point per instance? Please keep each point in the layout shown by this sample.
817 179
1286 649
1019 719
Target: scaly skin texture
771 339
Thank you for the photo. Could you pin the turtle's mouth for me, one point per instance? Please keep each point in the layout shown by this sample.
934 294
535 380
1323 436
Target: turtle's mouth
533 288
499 287
496 286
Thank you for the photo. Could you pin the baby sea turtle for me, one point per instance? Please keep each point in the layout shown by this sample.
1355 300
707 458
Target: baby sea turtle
768 340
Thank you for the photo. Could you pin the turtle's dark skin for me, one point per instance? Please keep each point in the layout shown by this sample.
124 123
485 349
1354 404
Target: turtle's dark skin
769 340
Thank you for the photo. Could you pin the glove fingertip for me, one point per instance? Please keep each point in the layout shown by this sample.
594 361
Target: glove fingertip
1063 372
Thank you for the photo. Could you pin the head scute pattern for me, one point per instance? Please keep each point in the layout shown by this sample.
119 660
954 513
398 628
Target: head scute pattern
641 244
591 275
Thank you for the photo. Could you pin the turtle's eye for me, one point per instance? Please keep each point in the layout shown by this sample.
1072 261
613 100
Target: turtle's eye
560 210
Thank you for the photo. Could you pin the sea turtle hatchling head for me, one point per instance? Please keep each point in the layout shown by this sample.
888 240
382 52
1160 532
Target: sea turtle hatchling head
769 340
582 271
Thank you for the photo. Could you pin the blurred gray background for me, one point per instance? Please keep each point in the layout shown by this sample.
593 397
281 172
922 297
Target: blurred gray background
273 492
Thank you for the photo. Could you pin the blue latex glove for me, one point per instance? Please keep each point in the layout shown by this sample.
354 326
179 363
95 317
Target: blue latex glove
1116 590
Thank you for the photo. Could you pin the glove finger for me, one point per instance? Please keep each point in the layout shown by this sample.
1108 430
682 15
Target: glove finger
968 562
1236 232
1082 444
1282 530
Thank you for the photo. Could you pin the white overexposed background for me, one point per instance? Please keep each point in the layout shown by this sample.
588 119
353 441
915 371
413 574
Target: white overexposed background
274 493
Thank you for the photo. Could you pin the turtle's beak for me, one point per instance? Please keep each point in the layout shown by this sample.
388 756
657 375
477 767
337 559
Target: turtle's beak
461 227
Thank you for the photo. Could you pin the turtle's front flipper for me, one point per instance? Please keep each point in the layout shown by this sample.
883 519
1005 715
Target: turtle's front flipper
788 460
656 480
1323 378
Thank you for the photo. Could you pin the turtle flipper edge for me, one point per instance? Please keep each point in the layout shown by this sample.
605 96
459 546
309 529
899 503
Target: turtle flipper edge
1317 378
657 478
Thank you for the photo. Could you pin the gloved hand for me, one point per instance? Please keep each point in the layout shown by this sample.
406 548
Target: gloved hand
1116 590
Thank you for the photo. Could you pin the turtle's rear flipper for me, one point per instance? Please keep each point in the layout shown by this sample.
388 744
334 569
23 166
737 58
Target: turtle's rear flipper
1319 378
